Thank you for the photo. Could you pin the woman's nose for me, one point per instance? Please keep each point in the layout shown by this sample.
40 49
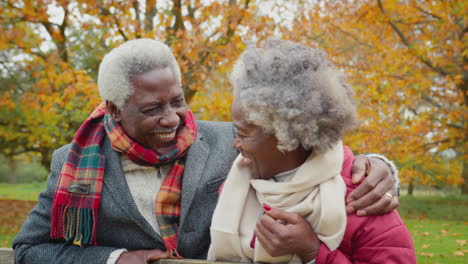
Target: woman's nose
237 143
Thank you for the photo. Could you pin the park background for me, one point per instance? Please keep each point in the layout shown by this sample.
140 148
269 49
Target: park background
407 60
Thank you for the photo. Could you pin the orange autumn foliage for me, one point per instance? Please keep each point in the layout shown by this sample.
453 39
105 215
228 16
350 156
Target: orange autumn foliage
408 63
51 52
406 59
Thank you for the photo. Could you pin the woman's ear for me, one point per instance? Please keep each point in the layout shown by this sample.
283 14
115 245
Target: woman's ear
114 111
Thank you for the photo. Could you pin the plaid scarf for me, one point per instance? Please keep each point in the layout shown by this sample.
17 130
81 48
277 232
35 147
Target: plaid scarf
78 192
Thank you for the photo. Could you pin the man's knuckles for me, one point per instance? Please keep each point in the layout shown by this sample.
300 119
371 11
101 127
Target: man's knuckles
374 195
368 184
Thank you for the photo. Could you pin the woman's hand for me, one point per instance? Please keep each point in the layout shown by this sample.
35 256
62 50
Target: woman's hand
141 256
370 197
282 233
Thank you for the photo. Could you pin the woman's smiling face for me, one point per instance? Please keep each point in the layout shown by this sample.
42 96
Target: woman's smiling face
258 148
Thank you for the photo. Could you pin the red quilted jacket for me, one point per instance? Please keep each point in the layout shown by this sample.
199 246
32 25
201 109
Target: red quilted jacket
370 239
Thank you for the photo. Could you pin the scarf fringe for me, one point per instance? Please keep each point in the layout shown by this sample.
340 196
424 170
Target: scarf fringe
76 225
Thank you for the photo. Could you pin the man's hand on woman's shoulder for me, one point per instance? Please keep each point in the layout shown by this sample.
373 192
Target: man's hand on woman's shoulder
376 193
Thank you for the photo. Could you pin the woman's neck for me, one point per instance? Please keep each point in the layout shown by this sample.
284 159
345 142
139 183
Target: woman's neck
294 159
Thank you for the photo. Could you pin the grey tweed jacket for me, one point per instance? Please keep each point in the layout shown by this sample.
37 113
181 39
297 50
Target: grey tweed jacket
120 225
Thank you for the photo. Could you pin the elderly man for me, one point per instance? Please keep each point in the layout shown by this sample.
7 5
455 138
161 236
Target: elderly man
140 180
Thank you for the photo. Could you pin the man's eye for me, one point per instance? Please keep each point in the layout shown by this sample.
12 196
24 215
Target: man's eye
151 111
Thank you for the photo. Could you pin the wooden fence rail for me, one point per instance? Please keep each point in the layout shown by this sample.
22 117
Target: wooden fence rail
6 257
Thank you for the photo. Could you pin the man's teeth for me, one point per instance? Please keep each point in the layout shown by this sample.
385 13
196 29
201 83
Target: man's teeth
166 135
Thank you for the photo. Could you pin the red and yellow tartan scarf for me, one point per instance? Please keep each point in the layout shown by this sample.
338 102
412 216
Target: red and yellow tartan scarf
78 192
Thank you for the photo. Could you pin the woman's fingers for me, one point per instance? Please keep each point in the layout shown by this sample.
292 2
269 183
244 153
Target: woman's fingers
281 215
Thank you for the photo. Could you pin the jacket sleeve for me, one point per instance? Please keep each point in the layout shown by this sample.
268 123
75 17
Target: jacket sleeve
373 239
33 243
325 255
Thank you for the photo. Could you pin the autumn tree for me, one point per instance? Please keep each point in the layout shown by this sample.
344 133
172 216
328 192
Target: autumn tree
50 53
43 99
407 60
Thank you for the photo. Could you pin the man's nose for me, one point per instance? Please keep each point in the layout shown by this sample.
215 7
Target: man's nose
170 118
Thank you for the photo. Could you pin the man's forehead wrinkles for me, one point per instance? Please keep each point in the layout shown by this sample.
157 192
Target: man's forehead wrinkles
148 99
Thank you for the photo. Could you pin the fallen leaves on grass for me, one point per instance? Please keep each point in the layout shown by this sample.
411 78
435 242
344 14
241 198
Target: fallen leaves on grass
14 213
429 255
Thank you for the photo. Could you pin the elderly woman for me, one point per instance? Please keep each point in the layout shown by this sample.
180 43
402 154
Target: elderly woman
291 108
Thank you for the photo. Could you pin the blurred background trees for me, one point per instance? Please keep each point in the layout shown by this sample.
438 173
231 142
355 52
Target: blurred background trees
407 60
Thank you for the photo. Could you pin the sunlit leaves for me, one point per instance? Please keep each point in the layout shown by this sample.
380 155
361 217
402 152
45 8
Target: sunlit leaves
406 62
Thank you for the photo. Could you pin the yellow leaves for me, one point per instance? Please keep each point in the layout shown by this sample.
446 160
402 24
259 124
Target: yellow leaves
461 243
396 91
460 252
444 232
402 101
424 254
215 105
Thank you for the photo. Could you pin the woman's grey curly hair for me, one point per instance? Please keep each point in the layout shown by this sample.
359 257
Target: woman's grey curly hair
130 59
295 93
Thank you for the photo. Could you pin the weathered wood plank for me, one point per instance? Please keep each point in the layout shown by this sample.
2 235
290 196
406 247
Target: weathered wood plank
6 256
189 261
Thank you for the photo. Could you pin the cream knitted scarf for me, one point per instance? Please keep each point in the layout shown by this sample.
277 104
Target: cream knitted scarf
316 191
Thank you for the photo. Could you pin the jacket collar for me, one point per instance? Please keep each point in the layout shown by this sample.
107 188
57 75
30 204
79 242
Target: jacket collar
195 163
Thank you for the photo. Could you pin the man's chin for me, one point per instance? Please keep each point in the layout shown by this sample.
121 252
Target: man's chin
163 149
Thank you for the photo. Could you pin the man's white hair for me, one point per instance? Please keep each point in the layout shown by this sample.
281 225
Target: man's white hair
134 57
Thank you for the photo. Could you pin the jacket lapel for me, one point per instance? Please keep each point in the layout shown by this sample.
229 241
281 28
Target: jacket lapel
116 185
197 156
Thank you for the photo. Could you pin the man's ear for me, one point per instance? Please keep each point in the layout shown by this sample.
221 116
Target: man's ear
114 111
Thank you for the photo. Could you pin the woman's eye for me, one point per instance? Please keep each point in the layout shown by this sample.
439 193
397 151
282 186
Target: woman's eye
178 102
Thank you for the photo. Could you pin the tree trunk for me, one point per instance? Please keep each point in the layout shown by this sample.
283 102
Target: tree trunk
46 157
12 174
464 88
464 185
411 187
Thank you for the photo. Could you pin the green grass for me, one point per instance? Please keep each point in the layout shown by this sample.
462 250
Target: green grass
11 221
26 171
6 237
439 227
21 191
438 224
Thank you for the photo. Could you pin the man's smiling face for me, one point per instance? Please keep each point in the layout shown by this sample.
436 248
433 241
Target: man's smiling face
155 111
